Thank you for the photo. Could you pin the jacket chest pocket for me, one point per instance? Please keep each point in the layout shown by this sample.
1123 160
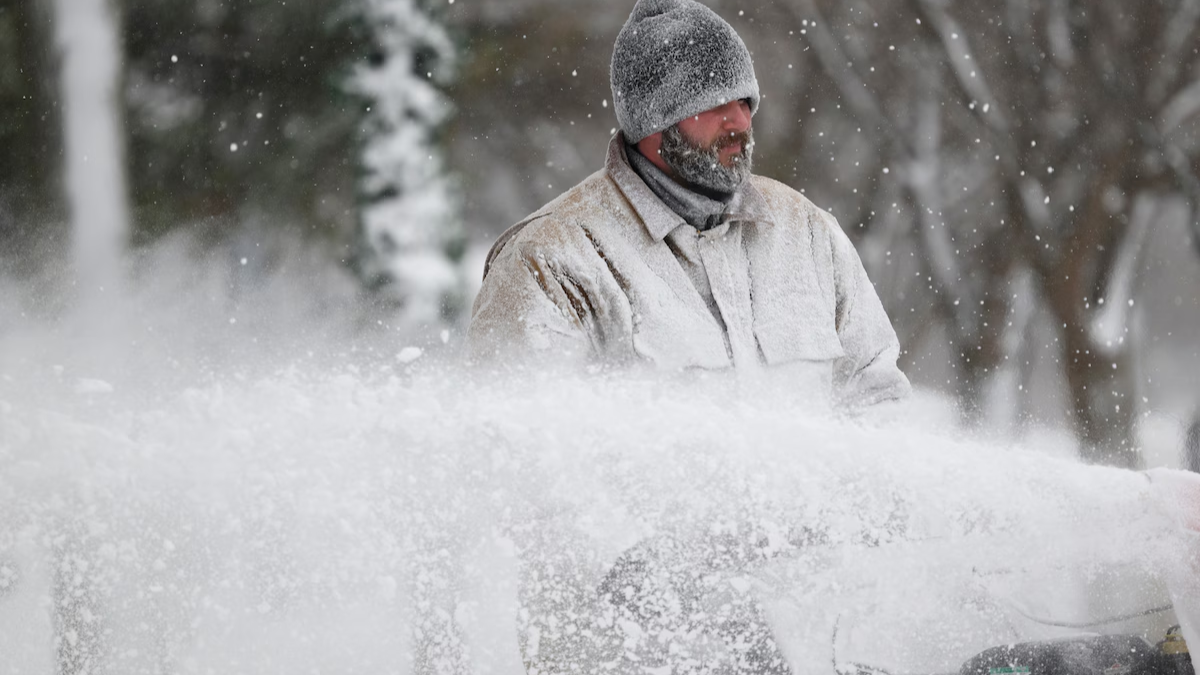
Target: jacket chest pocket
798 329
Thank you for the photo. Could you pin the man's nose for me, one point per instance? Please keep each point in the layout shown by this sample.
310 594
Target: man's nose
736 116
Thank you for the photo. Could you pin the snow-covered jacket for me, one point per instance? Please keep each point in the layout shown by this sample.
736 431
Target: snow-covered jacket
596 277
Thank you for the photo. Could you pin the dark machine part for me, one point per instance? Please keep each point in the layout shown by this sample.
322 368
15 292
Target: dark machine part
1086 655
1174 654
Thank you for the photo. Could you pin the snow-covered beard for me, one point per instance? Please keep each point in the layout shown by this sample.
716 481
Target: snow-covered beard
701 166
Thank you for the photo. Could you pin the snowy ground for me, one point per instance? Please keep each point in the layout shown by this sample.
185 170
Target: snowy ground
189 485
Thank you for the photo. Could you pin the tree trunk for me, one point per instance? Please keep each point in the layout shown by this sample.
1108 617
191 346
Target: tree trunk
1191 446
979 363
89 34
981 345
1102 391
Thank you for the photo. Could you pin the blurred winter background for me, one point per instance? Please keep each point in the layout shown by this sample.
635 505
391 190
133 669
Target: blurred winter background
232 232
1020 178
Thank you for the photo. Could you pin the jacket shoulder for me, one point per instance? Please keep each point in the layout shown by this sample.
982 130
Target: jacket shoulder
791 208
558 220
784 200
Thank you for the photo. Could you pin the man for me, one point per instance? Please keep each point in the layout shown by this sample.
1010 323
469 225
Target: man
674 254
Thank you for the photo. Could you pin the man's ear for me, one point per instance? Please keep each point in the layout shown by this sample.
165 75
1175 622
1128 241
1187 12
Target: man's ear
650 147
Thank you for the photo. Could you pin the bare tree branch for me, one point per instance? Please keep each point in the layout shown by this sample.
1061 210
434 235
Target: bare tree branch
832 58
968 77
1184 105
921 177
1178 34
1189 184
1020 27
1058 35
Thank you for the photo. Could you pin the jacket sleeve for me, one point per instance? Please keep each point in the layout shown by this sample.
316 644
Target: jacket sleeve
867 373
523 313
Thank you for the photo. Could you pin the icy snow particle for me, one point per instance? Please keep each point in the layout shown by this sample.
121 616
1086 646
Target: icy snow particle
174 59
244 261
987 107
1047 200
387 585
886 170
574 73
445 336
259 116
233 147
90 386
604 103
409 354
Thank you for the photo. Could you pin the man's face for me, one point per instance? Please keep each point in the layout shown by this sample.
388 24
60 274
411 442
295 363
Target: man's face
714 149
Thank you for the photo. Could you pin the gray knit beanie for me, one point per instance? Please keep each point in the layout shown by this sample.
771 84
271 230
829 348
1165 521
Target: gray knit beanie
674 59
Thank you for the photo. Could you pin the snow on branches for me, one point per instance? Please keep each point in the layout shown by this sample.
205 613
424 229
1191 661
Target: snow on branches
409 232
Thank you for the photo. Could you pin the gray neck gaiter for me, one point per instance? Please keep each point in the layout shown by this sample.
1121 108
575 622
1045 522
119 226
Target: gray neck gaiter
700 211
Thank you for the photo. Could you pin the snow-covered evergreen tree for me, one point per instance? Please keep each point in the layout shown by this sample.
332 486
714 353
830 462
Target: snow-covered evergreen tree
410 239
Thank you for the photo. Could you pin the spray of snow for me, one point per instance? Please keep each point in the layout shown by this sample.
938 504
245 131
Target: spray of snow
208 496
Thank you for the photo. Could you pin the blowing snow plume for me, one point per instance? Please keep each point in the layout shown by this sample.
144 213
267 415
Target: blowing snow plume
276 496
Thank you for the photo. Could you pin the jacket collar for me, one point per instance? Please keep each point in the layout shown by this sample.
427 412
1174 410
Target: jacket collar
748 204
